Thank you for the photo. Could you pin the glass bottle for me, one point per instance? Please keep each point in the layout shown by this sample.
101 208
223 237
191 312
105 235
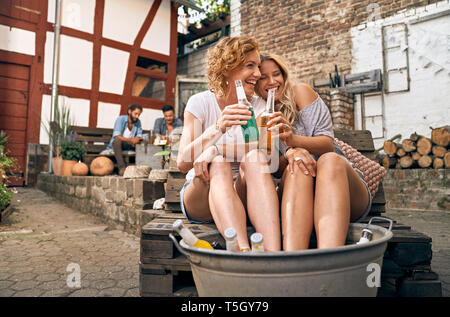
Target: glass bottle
265 135
250 130
366 236
189 237
257 242
231 240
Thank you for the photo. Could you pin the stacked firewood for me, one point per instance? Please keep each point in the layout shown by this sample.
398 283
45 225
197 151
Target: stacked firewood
419 151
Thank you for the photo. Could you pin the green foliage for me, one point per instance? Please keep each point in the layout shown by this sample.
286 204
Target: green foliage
72 150
6 163
164 152
214 9
5 196
59 130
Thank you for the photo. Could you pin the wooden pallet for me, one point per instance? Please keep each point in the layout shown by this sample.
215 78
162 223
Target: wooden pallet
165 272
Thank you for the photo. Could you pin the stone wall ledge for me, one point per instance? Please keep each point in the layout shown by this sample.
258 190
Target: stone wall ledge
123 203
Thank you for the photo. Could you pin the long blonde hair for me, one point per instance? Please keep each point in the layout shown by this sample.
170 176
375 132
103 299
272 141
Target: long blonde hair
227 55
286 103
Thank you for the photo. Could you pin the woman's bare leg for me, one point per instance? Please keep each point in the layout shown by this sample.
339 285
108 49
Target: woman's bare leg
339 195
195 200
296 209
262 199
226 206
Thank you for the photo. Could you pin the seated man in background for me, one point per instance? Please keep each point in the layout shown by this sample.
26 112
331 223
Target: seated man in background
127 133
164 126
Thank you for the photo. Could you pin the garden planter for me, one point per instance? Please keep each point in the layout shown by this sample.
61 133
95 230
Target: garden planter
57 164
67 167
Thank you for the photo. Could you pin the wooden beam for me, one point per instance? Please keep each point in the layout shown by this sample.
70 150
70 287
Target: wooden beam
96 61
16 58
126 100
37 77
150 73
198 33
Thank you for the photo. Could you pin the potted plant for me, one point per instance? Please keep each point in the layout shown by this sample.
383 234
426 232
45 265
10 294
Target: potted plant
58 132
71 152
6 163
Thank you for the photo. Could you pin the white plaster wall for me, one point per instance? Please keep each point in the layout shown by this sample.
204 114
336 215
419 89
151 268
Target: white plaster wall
113 70
148 118
428 101
157 38
79 109
107 114
76 14
75 65
17 40
123 19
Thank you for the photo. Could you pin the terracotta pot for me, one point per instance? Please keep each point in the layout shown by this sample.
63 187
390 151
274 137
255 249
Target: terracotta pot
67 167
57 164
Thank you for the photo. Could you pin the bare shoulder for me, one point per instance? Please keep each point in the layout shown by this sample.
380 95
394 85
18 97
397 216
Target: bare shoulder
304 95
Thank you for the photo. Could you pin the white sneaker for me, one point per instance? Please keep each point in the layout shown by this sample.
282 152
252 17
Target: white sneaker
107 152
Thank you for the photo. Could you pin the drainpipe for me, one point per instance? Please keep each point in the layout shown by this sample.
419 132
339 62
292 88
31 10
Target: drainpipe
55 71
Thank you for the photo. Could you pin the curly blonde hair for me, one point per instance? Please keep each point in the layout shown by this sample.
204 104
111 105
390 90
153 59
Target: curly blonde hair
286 103
227 55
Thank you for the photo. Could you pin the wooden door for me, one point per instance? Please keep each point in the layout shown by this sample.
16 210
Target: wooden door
14 84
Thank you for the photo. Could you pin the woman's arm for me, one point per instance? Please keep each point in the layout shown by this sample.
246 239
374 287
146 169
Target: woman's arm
193 141
304 96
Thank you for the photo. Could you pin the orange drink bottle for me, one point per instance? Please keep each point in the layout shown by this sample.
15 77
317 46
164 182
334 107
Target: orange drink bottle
265 135
189 237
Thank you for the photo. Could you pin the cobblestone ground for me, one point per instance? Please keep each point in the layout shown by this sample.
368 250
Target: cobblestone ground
43 244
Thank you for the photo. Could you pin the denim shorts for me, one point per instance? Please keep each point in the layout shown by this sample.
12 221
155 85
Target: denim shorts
183 209
369 205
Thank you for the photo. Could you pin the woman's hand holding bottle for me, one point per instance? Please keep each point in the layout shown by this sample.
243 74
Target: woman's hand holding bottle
236 114
279 123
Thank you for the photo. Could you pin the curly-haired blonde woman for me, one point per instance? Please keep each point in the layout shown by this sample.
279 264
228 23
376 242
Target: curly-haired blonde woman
224 181
319 187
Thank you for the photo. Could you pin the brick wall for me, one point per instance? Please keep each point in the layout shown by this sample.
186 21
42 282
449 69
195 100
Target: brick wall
341 106
193 64
417 189
313 35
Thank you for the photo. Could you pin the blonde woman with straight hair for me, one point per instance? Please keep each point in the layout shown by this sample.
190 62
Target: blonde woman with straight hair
220 184
319 188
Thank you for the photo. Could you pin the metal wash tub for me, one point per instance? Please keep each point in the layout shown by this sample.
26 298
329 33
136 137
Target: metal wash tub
350 270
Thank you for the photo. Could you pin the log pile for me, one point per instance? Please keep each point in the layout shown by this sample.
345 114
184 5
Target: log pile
418 151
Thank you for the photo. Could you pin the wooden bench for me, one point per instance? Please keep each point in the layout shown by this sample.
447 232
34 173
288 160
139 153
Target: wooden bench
96 140
165 272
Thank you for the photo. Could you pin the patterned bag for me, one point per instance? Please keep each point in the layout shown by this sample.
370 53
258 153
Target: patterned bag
372 171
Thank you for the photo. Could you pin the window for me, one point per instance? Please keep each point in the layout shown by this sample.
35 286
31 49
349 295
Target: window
151 64
147 87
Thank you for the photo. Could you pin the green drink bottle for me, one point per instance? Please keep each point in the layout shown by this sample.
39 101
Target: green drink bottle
250 130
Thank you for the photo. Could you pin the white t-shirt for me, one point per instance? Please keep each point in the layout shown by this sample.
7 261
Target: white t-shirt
127 133
204 107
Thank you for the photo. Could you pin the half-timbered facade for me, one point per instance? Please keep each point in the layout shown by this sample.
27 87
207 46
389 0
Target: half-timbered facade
112 53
